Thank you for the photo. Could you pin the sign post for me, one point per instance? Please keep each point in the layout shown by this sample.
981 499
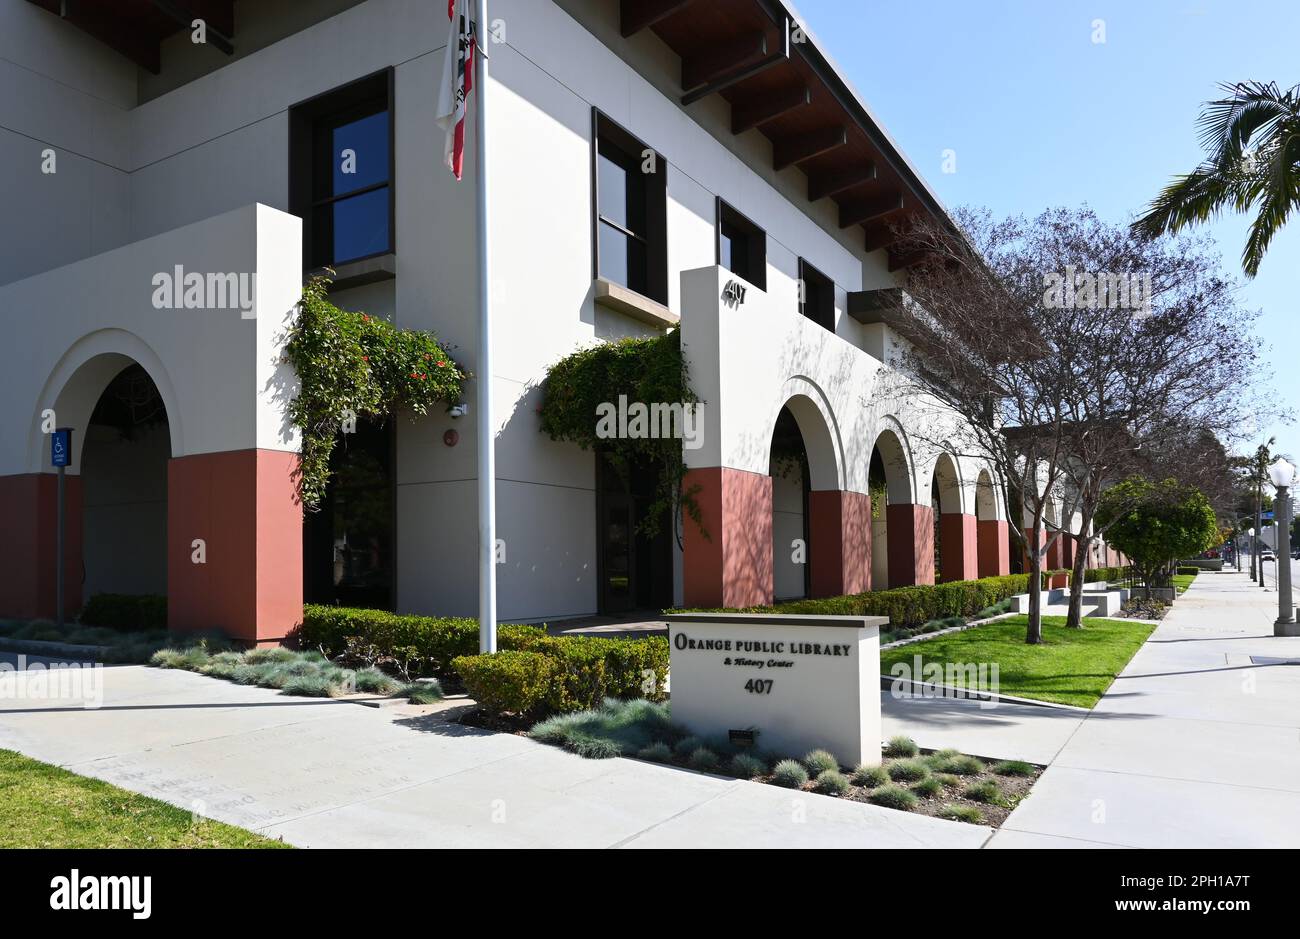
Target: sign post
60 458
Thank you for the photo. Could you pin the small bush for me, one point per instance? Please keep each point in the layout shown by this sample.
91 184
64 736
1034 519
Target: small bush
928 788
427 691
958 765
373 681
271 655
949 781
790 774
744 766
901 747
819 761
869 776
126 613
986 791
907 771
593 748
190 659
704 760
688 745
507 682
962 813
656 753
831 782
1013 768
893 797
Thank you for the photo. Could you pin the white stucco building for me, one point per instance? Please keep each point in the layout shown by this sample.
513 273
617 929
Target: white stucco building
127 150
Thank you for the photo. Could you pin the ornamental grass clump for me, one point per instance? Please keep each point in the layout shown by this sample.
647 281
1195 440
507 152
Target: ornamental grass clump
928 788
831 782
901 747
958 765
893 797
744 766
790 774
819 761
704 760
656 753
426 691
372 681
630 726
1013 768
988 792
869 777
962 813
907 771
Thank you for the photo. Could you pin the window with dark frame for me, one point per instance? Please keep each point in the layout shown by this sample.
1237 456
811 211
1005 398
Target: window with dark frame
742 246
630 199
341 171
816 296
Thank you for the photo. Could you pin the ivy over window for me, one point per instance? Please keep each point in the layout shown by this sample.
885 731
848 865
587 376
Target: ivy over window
352 366
649 372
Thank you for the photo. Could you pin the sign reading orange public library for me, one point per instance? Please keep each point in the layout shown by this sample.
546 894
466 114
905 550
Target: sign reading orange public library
790 683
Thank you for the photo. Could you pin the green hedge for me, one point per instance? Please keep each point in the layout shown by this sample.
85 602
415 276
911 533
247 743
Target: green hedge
909 606
586 669
1108 574
509 681
126 612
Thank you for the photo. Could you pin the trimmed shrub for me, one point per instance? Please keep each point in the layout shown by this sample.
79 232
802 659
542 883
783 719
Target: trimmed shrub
869 776
907 770
819 761
126 612
790 774
901 746
508 681
893 797
744 766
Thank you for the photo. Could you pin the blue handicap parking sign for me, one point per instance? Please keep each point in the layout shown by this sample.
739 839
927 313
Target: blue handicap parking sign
61 447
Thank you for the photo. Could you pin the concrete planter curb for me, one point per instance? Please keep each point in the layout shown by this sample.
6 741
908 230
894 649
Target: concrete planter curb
64 649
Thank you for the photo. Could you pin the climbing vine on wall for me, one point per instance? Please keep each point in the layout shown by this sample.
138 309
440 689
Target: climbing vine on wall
351 365
588 383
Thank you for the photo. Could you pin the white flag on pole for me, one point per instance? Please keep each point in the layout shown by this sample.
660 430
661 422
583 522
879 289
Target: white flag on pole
457 82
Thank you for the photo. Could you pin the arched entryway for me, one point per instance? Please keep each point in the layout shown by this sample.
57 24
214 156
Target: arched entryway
902 531
126 446
994 532
954 531
791 488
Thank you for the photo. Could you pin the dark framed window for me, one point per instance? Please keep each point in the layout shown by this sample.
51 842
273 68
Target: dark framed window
742 246
816 296
629 225
341 178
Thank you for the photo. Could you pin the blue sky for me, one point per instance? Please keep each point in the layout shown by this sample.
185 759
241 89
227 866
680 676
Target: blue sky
1039 114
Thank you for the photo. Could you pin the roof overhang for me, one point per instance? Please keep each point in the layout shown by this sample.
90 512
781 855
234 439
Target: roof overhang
136 28
761 58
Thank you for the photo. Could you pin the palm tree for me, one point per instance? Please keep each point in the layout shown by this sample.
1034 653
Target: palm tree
1252 144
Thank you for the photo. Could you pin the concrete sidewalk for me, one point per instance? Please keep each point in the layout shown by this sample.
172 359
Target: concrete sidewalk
331 774
1196 744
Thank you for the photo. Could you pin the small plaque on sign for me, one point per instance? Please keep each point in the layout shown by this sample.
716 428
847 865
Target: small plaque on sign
742 738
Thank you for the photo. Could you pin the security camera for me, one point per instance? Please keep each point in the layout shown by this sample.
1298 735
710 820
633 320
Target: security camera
458 411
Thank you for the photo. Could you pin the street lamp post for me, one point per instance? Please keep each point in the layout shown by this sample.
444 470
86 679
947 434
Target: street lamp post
1282 475
1254 552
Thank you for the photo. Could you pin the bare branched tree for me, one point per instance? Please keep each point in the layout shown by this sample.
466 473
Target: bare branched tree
1074 353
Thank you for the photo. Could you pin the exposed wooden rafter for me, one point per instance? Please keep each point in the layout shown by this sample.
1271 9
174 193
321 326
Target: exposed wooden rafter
833 183
637 15
898 262
748 113
790 151
731 63
870 209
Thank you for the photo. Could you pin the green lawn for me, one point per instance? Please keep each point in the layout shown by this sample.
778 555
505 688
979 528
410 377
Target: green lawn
42 806
1071 666
1183 581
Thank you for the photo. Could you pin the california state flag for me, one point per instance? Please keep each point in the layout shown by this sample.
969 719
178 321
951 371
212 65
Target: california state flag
457 82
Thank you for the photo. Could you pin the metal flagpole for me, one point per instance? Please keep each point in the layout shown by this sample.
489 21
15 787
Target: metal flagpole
487 509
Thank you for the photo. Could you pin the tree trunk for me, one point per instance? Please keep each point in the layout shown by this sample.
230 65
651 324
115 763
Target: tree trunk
1081 547
1034 631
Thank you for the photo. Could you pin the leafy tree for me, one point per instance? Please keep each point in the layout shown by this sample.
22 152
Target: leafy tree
1252 164
1156 523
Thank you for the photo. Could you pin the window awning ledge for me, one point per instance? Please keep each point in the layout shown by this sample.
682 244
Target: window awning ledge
616 297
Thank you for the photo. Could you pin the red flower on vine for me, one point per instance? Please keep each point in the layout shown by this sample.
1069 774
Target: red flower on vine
442 365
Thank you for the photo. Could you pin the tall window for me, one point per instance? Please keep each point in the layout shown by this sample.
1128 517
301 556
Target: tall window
630 223
742 246
816 296
341 171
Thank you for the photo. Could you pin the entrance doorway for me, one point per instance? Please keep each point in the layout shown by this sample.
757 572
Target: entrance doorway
634 567
348 556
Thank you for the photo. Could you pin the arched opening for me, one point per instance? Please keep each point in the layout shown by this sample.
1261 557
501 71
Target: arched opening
791 486
888 478
994 534
945 502
126 447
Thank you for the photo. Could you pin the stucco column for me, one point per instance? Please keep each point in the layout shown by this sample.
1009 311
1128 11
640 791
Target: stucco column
28 545
243 507
911 544
958 546
994 548
840 549
732 566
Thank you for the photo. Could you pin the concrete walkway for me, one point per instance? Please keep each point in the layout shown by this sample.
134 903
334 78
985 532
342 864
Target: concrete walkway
1196 744
332 774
